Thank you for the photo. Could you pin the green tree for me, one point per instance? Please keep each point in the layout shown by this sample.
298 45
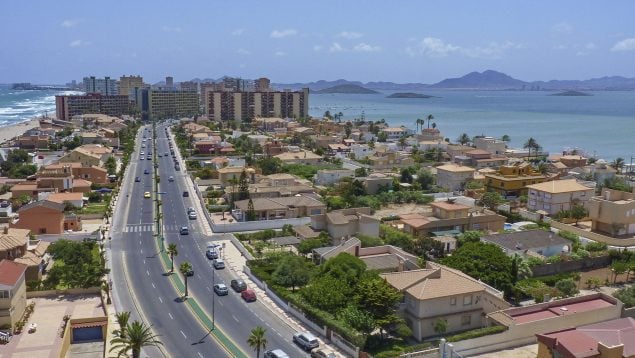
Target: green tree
185 268
626 295
243 186
463 139
567 287
307 246
402 142
429 118
483 261
618 268
382 137
111 165
122 319
530 144
378 298
469 236
251 212
578 212
618 164
344 267
339 292
138 335
492 199
440 326
292 271
257 339
505 138
357 319
269 165
172 250
406 176
361 172
425 178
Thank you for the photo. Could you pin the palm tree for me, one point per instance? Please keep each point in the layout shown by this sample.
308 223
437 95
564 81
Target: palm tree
505 138
172 251
138 335
531 144
543 168
463 139
429 118
122 319
420 123
106 288
257 340
185 268
618 164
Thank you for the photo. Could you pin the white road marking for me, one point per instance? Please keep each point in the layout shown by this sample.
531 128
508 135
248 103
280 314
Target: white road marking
170 314
184 336
153 286
208 288
235 319
160 299
148 272
199 354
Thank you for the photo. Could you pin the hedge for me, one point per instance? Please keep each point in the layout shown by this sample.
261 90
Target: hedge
475 333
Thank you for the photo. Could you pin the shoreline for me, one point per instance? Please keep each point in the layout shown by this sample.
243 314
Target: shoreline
12 131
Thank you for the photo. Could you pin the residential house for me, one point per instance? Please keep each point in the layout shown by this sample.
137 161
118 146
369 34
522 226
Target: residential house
449 216
41 217
77 199
339 149
210 145
83 156
346 223
35 258
332 176
601 171
12 292
394 133
479 159
613 213
574 161
193 128
453 177
530 243
513 179
360 151
457 150
388 160
557 195
227 174
276 185
430 135
299 157
280 208
34 141
13 242
270 124
323 141
93 174
490 144
440 293
376 182
609 339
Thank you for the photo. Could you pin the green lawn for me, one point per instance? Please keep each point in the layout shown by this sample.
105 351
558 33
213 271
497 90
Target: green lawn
93 208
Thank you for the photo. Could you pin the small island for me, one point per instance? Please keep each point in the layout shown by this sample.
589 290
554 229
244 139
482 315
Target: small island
351 89
571 94
409 95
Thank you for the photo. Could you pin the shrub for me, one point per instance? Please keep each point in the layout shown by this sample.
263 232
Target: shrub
475 333
626 295
595 246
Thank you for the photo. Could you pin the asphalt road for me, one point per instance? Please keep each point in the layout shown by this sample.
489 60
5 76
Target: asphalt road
140 284
235 317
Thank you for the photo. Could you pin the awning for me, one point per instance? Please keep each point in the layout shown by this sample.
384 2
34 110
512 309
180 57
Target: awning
88 324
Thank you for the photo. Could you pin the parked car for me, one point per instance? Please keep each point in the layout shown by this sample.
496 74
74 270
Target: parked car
192 215
219 264
166 154
146 171
149 157
186 194
171 178
142 153
323 353
5 204
306 341
184 230
147 195
248 295
276 353
177 168
211 253
238 285
137 179
190 210
221 289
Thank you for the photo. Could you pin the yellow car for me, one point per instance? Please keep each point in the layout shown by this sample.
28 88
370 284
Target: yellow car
146 194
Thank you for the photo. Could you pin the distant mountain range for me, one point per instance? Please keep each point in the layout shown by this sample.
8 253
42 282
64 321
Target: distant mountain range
486 80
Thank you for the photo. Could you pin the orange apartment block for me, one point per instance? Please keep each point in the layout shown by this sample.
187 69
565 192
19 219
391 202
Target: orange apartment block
93 174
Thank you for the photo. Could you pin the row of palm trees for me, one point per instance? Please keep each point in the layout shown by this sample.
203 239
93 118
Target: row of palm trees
421 122
133 336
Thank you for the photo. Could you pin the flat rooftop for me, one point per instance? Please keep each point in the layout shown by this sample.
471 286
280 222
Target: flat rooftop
563 309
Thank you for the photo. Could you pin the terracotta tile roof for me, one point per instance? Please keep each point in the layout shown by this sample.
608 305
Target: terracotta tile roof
81 183
41 247
297 155
62 197
29 259
10 272
416 223
13 239
306 231
437 281
45 203
559 186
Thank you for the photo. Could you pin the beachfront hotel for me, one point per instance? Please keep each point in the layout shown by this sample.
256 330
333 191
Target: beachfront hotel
166 103
113 105
247 105
127 84
105 86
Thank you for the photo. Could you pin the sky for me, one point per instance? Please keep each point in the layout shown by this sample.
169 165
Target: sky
301 41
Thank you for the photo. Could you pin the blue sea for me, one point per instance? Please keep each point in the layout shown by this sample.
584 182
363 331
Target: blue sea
602 125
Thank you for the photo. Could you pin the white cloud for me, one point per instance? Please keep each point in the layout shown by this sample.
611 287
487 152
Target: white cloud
624 45
278 34
590 46
79 43
317 47
364 47
242 51
435 47
171 29
563 28
238 32
70 22
350 35
336 47
280 53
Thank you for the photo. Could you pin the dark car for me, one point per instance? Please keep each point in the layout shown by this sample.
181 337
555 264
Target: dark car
4 204
238 285
186 194
184 230
211 253
177 168
146 171
137 179
248 295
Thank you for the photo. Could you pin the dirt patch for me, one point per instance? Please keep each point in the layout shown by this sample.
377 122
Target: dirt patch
399 209
604 274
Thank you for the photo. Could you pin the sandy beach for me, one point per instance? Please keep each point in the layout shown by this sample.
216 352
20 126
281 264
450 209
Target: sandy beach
15 130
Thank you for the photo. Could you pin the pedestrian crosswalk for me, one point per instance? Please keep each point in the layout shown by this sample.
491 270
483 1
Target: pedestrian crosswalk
139 228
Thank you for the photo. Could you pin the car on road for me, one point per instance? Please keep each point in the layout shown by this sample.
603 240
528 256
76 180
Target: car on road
149 157
192 215
146 171
137 179
186 194
275 353
165 154
248 295
211 253
159 155
147 194
143 145
190 210
142 153
141 157
323 353
219 264
306 341
184 230
177 168
238 285
171 178
221 289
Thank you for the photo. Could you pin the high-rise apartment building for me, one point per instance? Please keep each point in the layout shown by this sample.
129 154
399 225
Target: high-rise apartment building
68 106
169 81
247 105
127 84
167 103
263 85
189 86
105 86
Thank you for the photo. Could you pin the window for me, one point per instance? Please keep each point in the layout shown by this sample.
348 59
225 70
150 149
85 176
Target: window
453 301
467 300
466 320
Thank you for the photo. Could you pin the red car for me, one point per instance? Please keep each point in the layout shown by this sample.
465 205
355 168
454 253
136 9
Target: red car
248 295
